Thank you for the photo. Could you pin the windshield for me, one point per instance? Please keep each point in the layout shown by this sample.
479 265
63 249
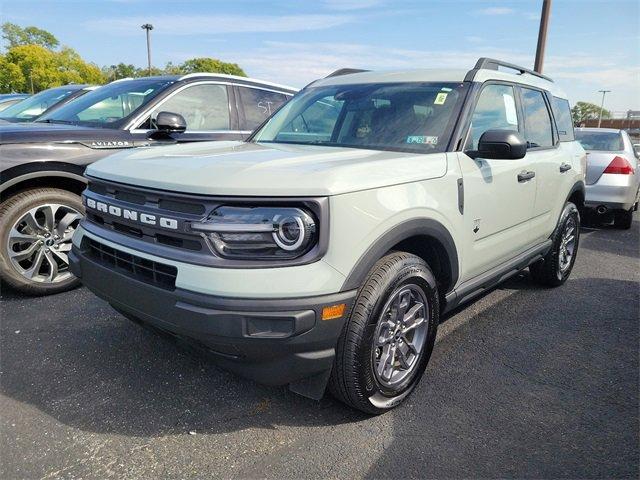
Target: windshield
600 141
33 107
412 117
107 105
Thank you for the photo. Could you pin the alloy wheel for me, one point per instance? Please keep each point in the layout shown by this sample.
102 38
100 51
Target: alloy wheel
39 242
400 335
567 245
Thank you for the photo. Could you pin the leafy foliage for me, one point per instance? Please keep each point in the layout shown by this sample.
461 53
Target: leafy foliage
15 36
33 62
583 111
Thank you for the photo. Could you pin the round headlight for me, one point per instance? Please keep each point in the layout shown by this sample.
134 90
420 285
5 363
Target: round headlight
292 232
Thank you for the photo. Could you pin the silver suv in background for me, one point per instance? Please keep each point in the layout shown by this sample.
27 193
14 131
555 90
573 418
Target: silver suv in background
612 176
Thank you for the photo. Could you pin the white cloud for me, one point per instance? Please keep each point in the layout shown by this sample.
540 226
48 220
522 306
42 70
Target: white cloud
218 24
496 11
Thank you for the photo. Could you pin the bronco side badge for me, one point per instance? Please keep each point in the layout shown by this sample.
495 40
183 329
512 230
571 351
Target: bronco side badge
476 225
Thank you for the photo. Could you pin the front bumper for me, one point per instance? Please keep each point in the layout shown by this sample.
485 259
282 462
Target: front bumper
272 341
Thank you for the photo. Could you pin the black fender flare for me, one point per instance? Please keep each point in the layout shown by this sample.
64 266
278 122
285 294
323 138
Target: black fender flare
577 187
403 231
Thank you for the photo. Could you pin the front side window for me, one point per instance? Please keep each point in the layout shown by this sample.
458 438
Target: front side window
204 107
410 117
258 105
33 106
107 106
538 131
562 114
495 110
600 141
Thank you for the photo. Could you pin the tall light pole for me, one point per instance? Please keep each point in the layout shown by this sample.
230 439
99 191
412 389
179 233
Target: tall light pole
542 35
604 92
148 27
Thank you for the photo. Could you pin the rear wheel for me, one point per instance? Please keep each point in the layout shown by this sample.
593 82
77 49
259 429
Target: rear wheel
387 340
554 269
35 239
623 219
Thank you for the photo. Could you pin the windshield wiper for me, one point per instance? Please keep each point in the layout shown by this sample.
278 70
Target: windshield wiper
51 120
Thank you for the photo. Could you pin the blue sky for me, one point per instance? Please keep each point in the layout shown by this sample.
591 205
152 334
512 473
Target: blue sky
592 44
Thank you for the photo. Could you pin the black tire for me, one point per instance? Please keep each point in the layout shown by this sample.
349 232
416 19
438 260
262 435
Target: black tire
623 219
353 378
550 271
11 211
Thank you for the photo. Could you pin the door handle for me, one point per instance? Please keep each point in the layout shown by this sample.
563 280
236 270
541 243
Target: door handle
525 176
565 167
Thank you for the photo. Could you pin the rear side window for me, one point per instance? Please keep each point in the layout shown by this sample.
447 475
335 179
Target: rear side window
495 110
600 141
562 114
538 130
258 105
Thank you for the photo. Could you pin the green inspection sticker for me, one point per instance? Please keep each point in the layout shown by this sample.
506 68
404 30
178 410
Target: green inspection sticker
422 139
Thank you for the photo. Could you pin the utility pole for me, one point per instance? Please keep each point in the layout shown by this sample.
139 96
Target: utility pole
148 27
604 92
542 35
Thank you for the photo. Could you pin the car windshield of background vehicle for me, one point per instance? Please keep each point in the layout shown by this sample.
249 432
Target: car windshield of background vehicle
600 141
406 117
107 105
33 106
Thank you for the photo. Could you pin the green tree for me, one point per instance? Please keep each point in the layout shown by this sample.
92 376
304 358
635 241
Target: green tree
41 68
11 77
212 65
15 36
121 70
583 111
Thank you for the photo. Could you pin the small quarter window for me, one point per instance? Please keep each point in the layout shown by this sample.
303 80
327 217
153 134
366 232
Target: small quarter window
562 114
258 105
538 130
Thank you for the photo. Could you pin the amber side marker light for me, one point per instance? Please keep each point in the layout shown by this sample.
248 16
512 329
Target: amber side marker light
333 312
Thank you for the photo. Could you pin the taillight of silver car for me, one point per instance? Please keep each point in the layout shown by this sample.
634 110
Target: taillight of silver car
620 166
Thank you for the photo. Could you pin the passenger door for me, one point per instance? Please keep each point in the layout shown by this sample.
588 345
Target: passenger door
547 160
255 105
207 109
497 206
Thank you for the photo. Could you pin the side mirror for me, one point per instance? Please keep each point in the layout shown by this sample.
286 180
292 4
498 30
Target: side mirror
500 145
167 122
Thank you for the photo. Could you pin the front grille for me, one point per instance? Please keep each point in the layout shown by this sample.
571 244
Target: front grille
141 269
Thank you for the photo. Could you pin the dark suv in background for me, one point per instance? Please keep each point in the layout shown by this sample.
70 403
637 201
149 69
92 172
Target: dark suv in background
42 163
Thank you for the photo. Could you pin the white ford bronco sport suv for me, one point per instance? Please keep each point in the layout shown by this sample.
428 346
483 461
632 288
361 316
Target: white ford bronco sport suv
325 249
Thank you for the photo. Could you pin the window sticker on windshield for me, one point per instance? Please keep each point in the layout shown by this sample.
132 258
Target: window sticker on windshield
422 139
510 109
445 89
440 98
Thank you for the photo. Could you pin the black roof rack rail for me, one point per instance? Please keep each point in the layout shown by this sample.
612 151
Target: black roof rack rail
493 64
345 71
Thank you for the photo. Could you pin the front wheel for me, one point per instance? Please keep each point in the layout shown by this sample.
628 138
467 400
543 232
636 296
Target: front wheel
35 239
554 269
387 340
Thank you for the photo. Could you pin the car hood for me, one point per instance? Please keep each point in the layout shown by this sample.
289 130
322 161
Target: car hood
12 133
250 169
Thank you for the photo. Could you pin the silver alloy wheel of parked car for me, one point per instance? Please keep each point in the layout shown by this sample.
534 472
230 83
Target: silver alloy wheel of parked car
399 336
567 245
39 242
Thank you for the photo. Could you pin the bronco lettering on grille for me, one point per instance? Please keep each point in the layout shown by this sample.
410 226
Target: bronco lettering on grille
132 215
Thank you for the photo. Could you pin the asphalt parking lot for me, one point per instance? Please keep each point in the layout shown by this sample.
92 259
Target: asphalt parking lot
523 383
